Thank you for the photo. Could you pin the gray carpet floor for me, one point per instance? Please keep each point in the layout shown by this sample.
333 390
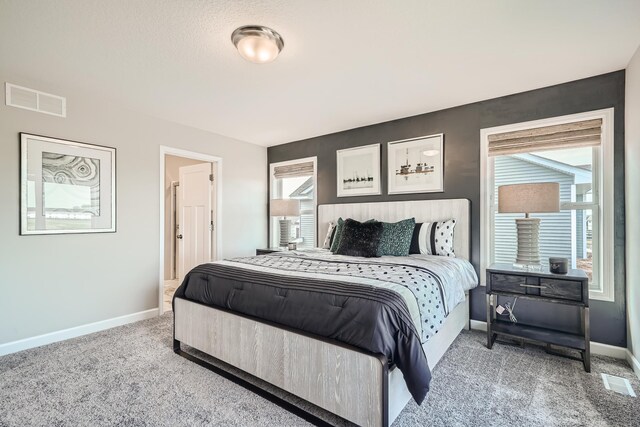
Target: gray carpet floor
130 376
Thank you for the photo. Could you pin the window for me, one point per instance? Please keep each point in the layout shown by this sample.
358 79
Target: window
295 179
575 151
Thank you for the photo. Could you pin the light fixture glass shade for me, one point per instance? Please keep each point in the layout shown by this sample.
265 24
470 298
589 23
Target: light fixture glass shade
537 197
257 44
430 153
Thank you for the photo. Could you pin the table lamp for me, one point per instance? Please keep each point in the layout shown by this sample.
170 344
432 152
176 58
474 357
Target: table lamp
542 197
285 208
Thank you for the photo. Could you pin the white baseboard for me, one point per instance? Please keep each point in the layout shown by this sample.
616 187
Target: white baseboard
596 347
635 364
478 325
608 350
65 334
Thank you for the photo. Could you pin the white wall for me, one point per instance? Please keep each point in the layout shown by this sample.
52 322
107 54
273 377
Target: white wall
172 166
632 201
49 283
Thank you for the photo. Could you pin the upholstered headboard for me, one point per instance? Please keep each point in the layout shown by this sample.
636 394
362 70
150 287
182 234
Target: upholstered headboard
421 210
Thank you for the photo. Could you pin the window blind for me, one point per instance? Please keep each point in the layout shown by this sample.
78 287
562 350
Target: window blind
307 223
586 133
294 170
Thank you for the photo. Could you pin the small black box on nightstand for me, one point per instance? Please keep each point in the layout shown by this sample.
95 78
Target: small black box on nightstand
558 265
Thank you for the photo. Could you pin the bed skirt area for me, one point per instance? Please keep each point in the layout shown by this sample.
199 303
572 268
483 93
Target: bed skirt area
351 383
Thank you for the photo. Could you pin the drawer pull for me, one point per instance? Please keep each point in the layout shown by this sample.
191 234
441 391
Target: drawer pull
532 286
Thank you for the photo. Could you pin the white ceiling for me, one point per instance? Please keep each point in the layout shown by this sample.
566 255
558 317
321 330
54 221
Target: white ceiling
345 63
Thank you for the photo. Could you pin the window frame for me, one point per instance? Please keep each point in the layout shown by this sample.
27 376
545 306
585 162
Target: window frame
603 200
273 190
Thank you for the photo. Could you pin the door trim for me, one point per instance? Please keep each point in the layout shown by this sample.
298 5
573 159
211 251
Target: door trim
164 151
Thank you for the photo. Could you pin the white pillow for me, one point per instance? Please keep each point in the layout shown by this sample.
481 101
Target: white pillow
327 240
436 238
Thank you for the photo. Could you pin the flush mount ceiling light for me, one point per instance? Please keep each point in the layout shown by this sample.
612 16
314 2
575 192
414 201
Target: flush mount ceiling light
257 43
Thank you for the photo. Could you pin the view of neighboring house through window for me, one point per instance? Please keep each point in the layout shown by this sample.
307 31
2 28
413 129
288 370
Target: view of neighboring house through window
568 233
577 154
295 180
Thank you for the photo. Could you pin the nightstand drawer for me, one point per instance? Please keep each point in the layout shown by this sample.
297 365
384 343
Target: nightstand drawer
511 283
561 289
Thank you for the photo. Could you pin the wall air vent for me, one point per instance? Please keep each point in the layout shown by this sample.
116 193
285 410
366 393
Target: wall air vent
34 100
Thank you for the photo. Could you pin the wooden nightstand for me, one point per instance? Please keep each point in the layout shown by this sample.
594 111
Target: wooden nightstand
267 251
568 289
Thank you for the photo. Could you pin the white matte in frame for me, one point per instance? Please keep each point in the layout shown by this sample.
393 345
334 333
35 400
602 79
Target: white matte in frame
31 169
427 151
354 162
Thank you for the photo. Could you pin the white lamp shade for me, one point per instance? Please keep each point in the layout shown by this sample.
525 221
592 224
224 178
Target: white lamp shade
285 207
538 197
258 49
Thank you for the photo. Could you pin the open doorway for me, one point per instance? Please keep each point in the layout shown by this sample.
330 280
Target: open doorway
189 213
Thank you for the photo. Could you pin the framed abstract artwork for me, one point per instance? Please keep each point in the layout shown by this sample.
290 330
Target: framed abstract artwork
416 165
358 171
66 186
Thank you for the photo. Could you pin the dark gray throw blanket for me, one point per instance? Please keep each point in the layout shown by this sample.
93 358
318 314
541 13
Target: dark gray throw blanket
368 317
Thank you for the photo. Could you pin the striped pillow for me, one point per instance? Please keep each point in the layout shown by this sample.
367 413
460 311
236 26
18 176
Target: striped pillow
433 238
327 240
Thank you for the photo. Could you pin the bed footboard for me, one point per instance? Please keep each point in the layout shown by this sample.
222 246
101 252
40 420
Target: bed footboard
341 379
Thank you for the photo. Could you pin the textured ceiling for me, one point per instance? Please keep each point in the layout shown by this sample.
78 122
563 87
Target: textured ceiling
345 63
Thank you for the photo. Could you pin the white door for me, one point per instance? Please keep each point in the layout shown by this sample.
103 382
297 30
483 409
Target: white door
195 222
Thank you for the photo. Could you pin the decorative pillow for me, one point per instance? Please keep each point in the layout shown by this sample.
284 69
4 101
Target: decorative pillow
335 240
414 249
337 234
360 238
396 237
433 238
327 240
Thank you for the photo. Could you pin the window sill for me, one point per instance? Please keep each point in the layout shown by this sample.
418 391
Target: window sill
601 296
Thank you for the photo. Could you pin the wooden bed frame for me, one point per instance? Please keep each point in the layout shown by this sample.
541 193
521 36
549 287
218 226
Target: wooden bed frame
349 382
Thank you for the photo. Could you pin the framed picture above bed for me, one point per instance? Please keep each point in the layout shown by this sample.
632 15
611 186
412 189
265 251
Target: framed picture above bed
66 186
416 165
358 171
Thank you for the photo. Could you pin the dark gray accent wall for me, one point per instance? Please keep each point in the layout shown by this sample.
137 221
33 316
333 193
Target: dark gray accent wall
461 127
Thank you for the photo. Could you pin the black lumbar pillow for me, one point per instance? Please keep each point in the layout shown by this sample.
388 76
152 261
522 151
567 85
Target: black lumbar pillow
414 248
360 238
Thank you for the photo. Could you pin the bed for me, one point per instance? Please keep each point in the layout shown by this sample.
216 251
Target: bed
264 315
